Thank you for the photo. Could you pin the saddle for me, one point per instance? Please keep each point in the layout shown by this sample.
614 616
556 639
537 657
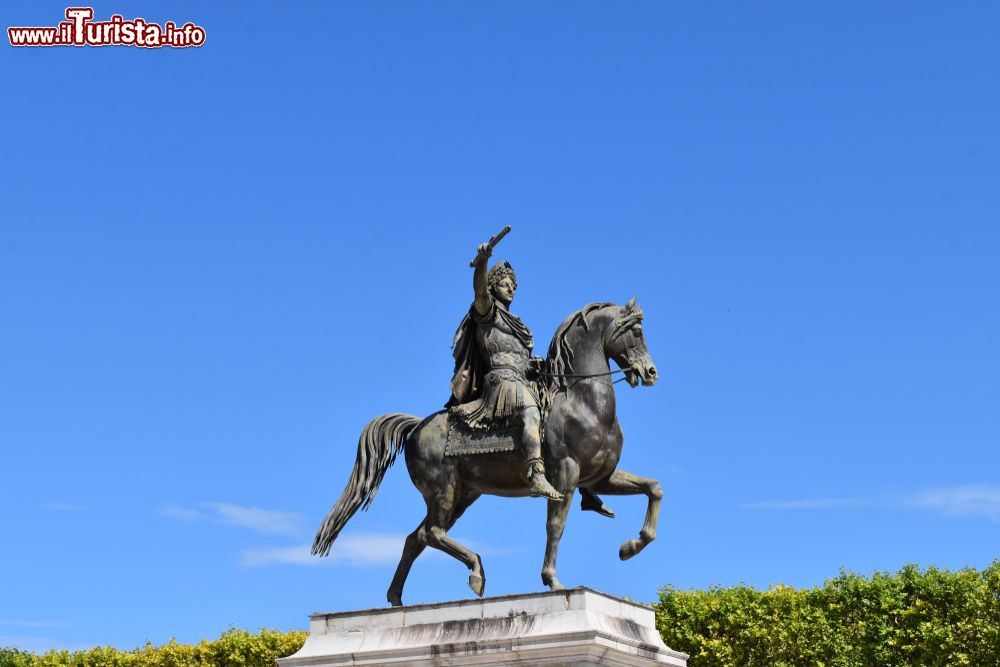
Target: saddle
463 441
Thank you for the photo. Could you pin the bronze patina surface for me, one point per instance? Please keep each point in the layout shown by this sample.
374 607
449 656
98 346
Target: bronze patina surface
560 411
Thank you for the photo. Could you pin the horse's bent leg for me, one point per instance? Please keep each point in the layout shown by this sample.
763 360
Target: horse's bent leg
415 544
566 476
438 538
441 514
623 483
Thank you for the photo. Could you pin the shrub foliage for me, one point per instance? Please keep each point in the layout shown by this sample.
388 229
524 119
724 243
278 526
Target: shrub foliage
930 618
919 617
235 648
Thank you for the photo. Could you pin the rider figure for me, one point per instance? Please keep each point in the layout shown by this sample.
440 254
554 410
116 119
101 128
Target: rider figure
493 347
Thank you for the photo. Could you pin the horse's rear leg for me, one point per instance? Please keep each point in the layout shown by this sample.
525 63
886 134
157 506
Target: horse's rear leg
623 483
434 533
414 546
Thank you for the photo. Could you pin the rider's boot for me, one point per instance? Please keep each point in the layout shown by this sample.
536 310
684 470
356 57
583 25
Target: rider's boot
531 442
538 485
591 502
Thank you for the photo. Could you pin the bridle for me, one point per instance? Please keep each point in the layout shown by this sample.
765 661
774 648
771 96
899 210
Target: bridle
622 326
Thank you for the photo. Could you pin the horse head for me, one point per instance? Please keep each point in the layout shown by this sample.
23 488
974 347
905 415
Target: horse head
607 331
626 344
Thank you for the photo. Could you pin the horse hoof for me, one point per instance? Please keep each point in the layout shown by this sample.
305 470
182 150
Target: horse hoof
477 584
556 586
630 548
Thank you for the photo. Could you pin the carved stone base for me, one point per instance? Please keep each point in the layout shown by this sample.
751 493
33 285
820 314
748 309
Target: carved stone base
573 628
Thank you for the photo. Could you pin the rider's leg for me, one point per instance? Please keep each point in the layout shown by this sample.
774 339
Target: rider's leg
531 442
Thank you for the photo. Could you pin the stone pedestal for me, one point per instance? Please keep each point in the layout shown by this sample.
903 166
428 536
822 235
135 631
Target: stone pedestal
573 628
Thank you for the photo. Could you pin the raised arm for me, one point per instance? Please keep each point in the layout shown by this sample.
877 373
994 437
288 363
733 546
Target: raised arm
479 282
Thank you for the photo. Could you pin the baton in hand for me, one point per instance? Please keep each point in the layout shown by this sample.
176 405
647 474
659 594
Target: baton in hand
493 242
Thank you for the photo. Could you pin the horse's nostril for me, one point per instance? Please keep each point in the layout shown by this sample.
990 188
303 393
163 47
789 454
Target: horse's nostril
652 371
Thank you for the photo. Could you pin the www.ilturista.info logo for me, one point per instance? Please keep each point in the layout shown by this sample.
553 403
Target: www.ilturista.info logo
81 30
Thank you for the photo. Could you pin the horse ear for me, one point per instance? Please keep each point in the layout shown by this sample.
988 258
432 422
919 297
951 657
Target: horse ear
630 306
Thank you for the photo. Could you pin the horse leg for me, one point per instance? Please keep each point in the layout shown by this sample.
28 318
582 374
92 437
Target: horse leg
412 549
441 512
623 483
566 476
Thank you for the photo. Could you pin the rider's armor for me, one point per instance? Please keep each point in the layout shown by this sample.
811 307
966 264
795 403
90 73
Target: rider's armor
504 345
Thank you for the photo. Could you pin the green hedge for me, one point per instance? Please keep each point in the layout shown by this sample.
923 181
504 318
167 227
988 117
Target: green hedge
915 617
236 648
925 618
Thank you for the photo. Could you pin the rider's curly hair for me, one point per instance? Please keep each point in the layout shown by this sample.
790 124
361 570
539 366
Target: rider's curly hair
500 271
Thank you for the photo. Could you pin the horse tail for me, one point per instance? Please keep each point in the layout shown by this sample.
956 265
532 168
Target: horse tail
381 440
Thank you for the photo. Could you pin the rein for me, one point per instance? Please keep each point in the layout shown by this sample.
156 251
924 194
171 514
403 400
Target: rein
581 375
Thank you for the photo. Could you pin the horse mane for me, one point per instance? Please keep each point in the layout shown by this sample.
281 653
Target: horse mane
560 360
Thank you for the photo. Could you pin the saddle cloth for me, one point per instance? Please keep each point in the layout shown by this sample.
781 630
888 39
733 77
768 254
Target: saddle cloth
463 440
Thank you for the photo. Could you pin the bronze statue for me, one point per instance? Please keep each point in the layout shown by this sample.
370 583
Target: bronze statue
460 453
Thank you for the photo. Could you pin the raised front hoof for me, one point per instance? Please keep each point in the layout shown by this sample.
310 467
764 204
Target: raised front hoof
477 583
630 548
395 599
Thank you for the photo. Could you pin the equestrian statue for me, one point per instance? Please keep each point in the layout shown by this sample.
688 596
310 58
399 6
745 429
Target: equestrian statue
515 426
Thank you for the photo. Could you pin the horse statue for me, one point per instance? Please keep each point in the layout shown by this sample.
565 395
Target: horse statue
583 443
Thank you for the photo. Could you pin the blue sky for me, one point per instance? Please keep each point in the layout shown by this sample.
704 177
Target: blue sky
217 264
